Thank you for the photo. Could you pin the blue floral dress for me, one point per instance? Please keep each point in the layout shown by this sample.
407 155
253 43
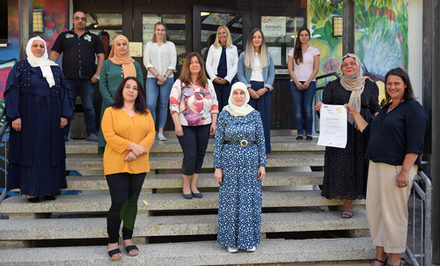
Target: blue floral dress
239 211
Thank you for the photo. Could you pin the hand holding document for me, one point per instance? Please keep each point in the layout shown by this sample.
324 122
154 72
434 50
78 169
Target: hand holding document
333 126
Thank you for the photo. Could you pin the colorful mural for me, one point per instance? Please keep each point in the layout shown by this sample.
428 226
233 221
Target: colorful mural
381 36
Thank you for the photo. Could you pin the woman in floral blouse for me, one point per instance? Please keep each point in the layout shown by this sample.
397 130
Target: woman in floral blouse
194 109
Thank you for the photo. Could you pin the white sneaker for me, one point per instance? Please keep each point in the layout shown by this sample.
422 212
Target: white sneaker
161 137
232 250
252 249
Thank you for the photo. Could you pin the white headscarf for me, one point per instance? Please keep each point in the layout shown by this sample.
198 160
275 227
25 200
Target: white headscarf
236 110
355 85
43 62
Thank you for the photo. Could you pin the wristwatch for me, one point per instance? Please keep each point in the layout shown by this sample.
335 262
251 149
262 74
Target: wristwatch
96 76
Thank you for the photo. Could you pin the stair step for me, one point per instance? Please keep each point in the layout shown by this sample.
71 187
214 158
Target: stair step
200 253
205 180
278 144
99 201
83 228
175 162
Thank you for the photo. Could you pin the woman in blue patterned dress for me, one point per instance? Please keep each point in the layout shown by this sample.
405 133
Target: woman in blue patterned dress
239 161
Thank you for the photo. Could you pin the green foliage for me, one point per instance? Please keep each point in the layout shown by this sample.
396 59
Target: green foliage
321 11
325 35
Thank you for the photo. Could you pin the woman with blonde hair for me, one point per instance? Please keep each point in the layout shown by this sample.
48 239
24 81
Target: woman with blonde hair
119 61
221 64
160 59
194 109
256 69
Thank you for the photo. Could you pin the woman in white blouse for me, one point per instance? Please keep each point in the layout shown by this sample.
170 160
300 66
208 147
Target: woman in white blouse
221 64
160 58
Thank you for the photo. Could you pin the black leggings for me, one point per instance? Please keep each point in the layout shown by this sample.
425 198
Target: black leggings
124 192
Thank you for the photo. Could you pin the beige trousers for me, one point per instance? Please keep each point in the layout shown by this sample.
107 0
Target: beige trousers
387 206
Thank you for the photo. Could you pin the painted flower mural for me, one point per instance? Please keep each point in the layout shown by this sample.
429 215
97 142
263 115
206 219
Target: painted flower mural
381 35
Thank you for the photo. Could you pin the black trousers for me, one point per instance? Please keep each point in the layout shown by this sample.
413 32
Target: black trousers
194 143
124 192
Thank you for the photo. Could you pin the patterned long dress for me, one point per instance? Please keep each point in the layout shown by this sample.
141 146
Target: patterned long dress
346 170
240 196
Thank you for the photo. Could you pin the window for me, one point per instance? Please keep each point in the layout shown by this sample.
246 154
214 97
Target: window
175 30
280 35
3 21
110 23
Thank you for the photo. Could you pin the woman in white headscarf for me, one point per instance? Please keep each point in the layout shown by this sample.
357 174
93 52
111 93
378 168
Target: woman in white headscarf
239 161
346 170
38 105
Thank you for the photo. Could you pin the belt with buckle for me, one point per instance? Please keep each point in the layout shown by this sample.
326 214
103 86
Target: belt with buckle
242 143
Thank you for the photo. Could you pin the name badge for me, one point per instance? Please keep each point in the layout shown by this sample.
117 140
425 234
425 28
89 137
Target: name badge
88 38
69 35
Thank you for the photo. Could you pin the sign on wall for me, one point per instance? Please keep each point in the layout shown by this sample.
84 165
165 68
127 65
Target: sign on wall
273 26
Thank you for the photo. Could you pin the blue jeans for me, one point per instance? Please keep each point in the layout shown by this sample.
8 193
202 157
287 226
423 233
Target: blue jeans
262 105
86 92
303 99
153 91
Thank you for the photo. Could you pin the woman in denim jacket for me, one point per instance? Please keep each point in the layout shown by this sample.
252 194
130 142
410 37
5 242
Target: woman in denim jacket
256 70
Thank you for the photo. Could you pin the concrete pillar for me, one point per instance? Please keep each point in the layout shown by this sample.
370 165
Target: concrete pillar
348 27
25 23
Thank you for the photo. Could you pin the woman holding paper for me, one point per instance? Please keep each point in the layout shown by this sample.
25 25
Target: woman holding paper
346 169
395 142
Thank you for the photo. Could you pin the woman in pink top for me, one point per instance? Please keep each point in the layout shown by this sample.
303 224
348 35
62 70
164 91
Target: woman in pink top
303 66
194 109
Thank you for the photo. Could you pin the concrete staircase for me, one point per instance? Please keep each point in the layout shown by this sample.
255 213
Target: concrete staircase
297 225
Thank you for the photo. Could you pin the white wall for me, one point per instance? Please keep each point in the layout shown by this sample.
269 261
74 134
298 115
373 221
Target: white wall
415 45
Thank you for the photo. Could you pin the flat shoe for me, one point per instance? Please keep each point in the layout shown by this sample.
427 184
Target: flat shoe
34 199
197 195
347 214
232 250
309 138
130 248
114 252
299 137
251 249
49 197
187 196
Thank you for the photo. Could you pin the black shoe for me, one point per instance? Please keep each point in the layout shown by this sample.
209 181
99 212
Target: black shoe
197 195
114 252
130 248
299 137
49 197
309 138
187 196
34 199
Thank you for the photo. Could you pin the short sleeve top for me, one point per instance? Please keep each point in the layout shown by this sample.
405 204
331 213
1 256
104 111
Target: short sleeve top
304 69
78 53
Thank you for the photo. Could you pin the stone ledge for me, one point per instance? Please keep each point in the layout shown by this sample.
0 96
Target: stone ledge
99 201
200 253
205 180
83 228
175 162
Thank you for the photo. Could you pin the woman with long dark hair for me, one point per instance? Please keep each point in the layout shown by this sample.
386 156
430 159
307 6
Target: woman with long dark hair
303 65
256 69
129 131
194 109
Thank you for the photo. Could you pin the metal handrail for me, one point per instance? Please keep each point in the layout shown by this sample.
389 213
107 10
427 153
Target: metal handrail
425 195
318 89
3 130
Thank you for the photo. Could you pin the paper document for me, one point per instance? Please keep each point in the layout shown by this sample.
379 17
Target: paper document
333 126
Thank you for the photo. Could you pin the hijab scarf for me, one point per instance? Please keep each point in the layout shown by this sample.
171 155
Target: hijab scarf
236 110
354 84
42 62
123 60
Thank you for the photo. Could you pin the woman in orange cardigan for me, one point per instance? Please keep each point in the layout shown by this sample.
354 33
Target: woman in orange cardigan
128 128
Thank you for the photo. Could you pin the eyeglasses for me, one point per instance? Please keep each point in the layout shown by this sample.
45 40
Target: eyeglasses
80 18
